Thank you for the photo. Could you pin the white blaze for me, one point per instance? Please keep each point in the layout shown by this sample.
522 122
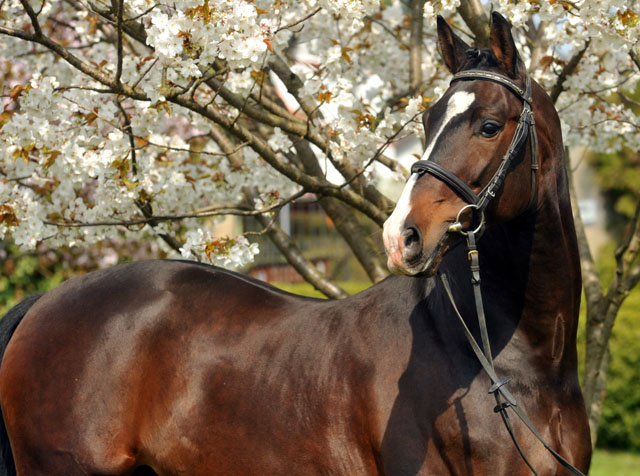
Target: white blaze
458 103
392 227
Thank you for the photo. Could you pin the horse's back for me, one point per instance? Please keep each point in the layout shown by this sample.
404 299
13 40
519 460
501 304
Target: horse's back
163 362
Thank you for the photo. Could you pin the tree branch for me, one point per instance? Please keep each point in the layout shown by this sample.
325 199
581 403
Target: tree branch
633 278
415 57
23 35
143 205
628 254
567 71
33 17
415 52
280 239
154 219
294 85
344 220
303 266
76 62
293 126
392 165
590 277
477 20
297 128
310 183
297 22
119 6
271 105
601 317
381 149
635 58
388 30
536 41
130 26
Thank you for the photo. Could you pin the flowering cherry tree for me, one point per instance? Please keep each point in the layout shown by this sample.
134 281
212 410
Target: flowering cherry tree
153 119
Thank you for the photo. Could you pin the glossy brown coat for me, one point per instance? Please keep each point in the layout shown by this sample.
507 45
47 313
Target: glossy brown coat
175 368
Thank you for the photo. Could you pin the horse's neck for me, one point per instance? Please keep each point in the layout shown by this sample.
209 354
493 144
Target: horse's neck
554 263
534 259
554 277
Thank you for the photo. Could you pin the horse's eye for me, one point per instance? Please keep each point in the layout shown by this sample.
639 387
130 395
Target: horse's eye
490 128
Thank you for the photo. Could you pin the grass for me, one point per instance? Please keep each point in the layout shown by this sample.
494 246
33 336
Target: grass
615 463
305 289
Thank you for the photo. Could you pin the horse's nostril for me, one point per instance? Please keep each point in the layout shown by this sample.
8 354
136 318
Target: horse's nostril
410 235
412 242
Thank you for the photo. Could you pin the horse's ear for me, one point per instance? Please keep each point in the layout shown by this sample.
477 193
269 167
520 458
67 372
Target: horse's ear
452 47
503 46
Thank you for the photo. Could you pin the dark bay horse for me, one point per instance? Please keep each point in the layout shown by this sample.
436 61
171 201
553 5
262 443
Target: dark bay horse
175 368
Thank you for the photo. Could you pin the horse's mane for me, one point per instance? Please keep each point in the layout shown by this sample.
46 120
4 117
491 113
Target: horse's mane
480 59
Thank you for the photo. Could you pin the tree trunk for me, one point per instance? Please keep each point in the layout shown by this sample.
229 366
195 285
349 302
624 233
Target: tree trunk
595 372
602 308
345 220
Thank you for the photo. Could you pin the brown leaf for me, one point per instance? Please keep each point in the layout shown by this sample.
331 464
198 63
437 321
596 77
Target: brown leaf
15 91
91 118
51 158
324 96
8 215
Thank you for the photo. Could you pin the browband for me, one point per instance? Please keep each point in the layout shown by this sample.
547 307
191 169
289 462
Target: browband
472 74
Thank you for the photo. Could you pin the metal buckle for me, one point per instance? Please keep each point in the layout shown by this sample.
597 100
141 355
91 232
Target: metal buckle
499 384
456 227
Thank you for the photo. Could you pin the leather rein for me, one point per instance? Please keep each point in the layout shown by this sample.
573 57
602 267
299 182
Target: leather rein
524 130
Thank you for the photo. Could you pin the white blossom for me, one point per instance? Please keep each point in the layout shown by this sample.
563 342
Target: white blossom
65 136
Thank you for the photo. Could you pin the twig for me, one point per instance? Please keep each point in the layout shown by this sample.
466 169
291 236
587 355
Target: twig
380 150
388 30
635 58
215 211
33 17
120 7
297 22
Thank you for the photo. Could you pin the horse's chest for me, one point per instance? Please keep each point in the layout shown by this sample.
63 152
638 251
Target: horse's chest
442 422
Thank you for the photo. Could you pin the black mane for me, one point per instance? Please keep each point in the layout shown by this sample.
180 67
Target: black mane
480 59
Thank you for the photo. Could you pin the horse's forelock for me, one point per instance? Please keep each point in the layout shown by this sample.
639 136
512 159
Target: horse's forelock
481 58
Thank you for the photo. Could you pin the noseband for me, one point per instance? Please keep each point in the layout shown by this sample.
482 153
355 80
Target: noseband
526 128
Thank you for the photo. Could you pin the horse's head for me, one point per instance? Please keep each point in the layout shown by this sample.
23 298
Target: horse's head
483 118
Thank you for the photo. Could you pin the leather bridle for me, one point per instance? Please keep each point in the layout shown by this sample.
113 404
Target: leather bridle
525 129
